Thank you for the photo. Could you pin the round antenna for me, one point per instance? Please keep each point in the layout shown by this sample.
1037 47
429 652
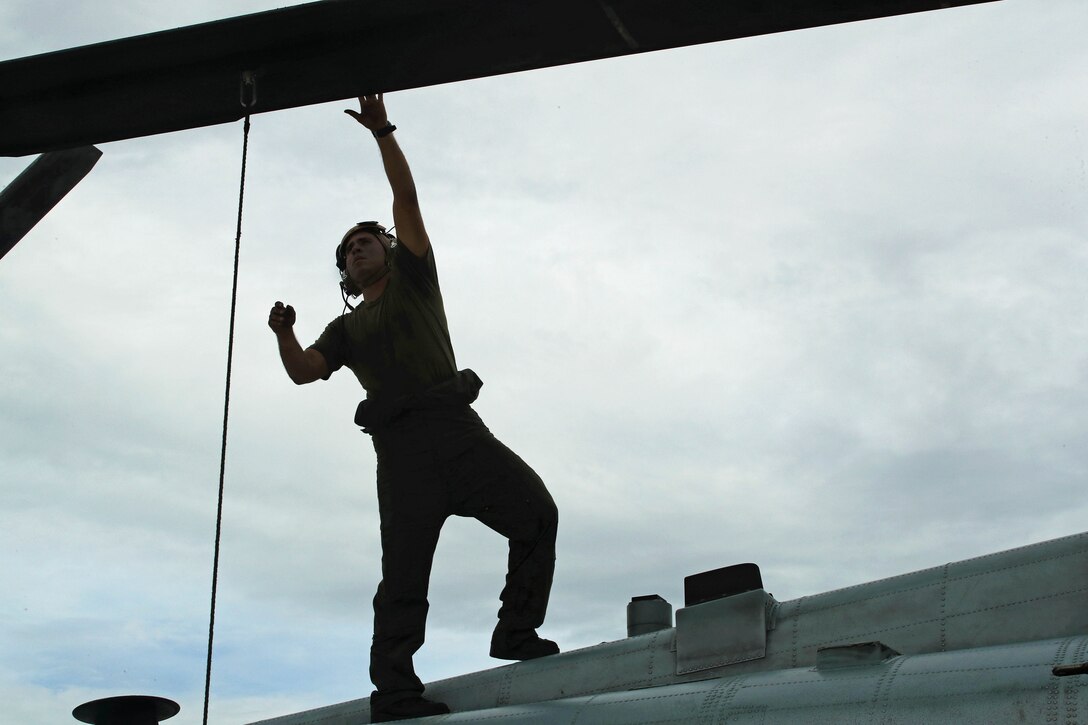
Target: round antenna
127 710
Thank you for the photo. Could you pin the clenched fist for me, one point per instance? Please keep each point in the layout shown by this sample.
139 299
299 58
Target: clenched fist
281 318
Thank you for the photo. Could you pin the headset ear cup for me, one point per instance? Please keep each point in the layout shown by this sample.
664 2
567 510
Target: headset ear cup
347 284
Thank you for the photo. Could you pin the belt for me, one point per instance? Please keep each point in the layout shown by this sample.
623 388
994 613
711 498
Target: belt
376 413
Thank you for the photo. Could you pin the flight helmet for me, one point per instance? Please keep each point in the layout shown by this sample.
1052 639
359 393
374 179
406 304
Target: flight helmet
348 286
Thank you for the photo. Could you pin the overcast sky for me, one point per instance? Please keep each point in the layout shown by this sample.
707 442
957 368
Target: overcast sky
813 300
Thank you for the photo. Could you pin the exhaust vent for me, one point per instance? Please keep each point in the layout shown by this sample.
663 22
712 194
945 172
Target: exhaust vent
647 614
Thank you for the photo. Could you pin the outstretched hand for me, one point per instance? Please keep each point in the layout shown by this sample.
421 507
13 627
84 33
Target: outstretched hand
371 113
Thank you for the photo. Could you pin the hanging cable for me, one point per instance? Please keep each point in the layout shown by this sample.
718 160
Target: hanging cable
248 96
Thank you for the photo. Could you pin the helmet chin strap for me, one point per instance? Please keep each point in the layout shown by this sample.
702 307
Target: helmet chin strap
371 280
374 277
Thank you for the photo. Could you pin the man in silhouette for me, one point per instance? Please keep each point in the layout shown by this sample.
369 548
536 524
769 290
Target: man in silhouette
435 457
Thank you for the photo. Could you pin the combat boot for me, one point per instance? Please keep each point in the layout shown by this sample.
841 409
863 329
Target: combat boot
520 644
406 709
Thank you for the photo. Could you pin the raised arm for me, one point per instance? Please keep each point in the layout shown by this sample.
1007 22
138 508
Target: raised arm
406 214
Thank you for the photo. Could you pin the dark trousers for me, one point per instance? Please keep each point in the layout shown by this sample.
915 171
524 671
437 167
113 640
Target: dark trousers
427 473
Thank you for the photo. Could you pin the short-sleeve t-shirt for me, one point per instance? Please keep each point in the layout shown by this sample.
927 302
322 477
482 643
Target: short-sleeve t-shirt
398 344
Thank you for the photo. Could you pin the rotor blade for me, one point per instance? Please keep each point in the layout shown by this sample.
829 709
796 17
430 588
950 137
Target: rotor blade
336 49
27 199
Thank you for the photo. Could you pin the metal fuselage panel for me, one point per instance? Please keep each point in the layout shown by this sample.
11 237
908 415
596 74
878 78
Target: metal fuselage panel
1011 599
1004 684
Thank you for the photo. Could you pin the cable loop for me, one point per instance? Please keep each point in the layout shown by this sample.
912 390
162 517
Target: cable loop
247 92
